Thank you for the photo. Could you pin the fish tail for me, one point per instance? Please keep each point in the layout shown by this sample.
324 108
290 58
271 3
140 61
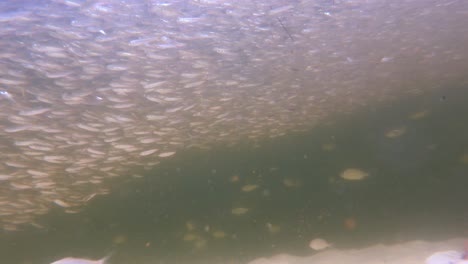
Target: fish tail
106 258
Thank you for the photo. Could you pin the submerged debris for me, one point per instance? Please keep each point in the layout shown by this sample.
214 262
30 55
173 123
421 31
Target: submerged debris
249 187
397 132
353 174
239 210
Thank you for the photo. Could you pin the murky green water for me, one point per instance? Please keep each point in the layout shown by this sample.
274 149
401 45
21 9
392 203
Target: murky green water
257 111
290 189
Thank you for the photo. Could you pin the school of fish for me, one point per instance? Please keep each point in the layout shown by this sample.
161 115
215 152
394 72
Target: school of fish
95 90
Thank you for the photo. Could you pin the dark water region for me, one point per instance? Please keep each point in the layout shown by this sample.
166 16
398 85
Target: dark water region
289 191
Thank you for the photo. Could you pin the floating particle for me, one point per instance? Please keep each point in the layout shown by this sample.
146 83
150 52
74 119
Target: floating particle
291 183
189 225
328 146
353 174
249 187
234 178
418 115
190 237
200 243
239 210
119 239
319 244
266 193
394 133
273 229
218 234
350 223
464 159
323 215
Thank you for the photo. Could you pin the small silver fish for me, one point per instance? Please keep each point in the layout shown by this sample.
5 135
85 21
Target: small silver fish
82 261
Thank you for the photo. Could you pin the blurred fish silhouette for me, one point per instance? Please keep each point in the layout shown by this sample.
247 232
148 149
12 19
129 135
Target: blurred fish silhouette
82 261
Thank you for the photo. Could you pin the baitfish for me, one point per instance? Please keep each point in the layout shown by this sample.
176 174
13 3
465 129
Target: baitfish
82 261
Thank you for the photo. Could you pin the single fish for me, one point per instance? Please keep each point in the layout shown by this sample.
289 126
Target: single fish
319 244
82 261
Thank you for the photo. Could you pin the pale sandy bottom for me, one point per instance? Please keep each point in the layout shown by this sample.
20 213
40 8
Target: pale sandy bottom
414 252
